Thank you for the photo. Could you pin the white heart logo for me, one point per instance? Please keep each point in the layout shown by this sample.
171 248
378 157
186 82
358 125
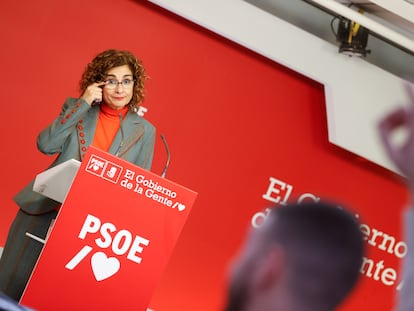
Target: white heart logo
181 207
104 267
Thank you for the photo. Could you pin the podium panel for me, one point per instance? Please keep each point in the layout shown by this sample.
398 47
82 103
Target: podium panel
111 240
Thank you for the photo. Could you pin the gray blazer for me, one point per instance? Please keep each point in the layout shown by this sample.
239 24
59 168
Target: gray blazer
73 131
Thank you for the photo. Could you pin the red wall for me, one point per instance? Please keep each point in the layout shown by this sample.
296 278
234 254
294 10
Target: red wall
232 120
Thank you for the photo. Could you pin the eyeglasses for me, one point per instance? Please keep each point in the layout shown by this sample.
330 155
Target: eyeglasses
112 83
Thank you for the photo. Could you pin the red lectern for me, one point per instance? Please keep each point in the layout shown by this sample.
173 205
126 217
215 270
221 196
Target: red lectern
112 239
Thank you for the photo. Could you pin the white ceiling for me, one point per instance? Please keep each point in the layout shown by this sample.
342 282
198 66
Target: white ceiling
391 43
398 14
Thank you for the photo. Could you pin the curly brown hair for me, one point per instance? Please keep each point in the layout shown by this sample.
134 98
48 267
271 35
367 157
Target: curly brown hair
97 69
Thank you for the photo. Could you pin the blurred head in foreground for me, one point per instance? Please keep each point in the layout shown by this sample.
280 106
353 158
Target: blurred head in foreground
303 257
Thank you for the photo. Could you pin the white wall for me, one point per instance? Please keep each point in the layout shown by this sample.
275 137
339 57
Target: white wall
357 92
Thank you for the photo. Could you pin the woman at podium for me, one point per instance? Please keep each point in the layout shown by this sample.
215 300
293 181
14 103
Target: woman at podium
104 116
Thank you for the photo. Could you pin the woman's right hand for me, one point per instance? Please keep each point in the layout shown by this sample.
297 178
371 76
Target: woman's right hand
93 93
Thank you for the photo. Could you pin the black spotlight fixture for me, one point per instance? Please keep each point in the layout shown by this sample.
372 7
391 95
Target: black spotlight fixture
353 38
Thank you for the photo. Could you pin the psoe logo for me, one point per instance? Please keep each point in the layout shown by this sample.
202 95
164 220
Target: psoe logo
104 168
109 238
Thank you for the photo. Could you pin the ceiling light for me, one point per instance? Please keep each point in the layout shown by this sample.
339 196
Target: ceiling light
353 38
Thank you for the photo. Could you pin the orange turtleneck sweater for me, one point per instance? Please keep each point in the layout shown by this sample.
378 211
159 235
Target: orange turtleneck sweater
107 126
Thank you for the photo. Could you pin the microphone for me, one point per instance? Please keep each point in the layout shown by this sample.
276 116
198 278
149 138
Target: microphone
164 172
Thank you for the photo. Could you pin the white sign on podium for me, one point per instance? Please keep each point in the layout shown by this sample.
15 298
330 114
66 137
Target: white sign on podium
55 182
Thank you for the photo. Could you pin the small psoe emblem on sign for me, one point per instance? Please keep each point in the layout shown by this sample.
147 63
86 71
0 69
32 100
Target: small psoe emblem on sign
104 169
